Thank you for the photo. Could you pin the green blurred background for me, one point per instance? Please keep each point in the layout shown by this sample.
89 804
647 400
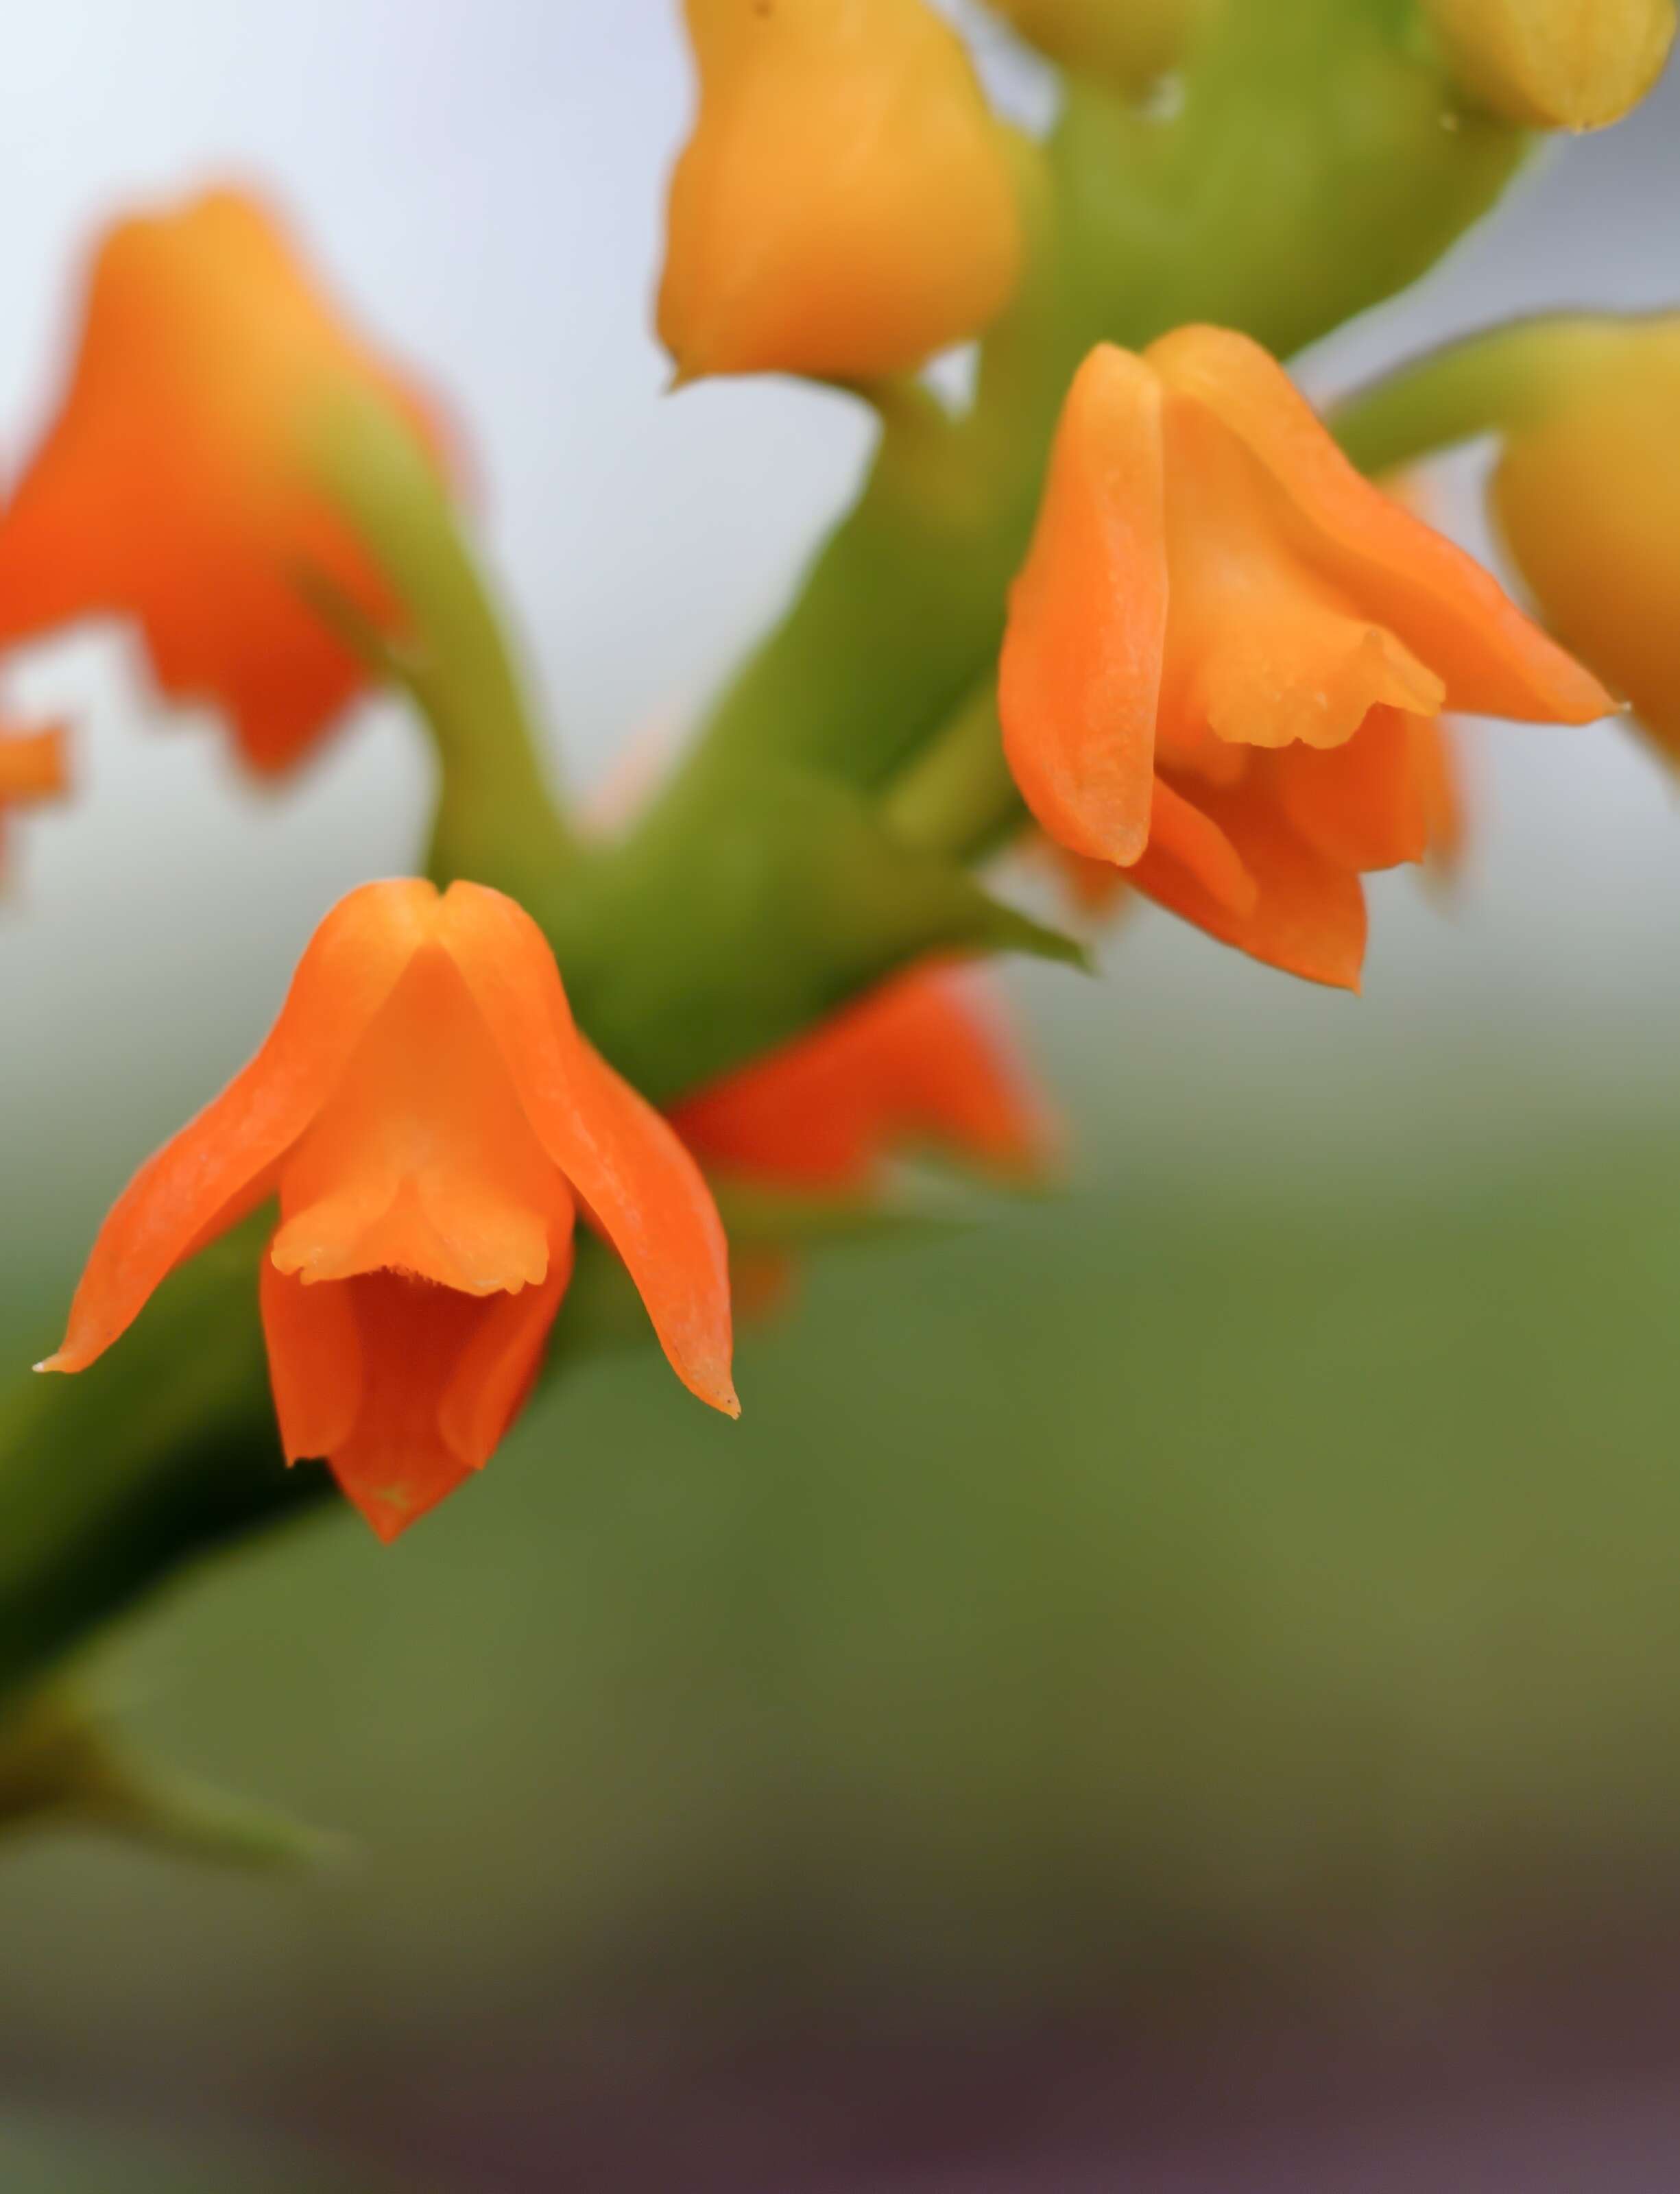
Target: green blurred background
1175 1685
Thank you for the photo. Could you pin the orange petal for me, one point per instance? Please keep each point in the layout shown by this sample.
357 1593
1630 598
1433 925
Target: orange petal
1079 678
494 1372
172 486
1367 804
32 765
1441 603
923 1058
421 1160
623 1160
1261 648
1435 762
406 1388
315 1361
1181 833
1309 913
174 1202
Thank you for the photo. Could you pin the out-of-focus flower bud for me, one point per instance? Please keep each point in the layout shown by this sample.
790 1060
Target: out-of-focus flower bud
430 1120
846 205
1126 43
175 484
924 1061
32 769
1586 494
1556 64
1224 642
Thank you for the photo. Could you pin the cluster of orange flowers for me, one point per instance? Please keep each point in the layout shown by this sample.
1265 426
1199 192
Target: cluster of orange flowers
1226 658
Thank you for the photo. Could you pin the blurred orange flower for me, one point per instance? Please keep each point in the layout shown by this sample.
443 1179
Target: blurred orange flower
31 768
173 485
846 205
1226 653
430 1119
924 1061
925 1058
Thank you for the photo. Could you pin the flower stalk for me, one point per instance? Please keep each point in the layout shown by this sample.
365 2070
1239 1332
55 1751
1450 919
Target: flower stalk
496 819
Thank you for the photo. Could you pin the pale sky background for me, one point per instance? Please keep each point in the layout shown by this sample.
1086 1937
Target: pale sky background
483 178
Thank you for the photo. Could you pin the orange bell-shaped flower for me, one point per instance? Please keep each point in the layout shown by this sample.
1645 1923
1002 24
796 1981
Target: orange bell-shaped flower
32 769
923 1061
430 1119
175 485
846 205
1223 641
1586 495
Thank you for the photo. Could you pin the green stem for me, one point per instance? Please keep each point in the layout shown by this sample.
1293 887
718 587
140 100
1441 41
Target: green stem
958 796
498 821
1489 383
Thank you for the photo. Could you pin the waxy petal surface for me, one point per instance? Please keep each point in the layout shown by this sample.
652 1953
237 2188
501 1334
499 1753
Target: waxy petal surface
623 1160
1453 615
1079 680
351 965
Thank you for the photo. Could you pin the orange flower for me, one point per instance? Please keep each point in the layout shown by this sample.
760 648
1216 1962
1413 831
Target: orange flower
923 1058
1227 651
173 484
846 204
31 768
430 1119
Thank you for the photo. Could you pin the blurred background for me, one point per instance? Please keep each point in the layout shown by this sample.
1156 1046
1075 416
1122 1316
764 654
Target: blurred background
1177 1687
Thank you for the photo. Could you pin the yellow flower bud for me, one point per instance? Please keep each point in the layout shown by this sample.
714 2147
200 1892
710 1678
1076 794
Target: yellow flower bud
1587 496
1558 64
1128 43
846 205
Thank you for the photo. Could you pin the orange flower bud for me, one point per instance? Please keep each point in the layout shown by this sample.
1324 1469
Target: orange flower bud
31 768
1586 493
174 487
923 1059
430 1120
846 204
1556 64
1220 644
1128 43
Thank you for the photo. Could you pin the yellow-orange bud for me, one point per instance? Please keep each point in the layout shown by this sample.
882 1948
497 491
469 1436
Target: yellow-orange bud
1127 43
846 205
1587 496
1557 64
